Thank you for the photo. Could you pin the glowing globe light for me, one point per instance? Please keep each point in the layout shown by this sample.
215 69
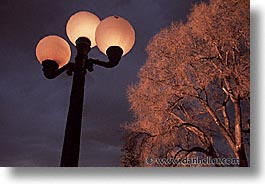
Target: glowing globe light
115 31
53 48
82 24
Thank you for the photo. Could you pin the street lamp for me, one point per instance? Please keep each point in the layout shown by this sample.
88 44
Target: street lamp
114 36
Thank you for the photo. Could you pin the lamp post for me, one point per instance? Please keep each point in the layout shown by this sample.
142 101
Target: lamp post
114 36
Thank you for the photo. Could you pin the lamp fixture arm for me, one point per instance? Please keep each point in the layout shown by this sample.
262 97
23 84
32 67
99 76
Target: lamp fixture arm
114 54
51 69
109 64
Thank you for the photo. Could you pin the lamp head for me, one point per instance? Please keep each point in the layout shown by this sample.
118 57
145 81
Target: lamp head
82 24
49 68
114 53
53 48
83 45
115 31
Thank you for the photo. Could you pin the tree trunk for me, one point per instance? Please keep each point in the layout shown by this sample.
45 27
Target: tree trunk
240 149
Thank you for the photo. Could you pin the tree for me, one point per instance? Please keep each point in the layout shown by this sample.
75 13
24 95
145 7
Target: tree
193 94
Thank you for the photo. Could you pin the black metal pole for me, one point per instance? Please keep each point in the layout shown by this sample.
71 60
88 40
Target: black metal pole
71 145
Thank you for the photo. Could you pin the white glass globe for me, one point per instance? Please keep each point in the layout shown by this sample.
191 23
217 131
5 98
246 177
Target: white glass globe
82 24
53 48
115 31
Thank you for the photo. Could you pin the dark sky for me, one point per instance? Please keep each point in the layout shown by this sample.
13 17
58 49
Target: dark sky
34 109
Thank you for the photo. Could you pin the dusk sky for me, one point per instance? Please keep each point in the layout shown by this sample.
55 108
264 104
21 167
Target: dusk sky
34 109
